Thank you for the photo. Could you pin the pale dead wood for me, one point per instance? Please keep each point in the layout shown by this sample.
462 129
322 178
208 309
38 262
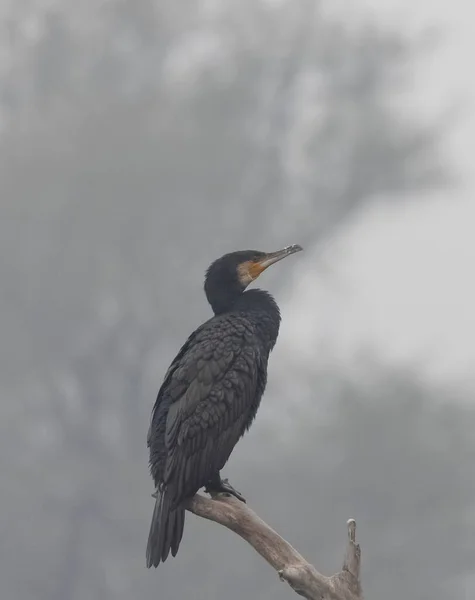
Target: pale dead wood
289 564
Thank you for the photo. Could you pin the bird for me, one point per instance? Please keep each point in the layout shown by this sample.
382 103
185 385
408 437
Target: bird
210 394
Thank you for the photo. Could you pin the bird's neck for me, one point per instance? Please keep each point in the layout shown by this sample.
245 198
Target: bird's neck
254 302
224 300
261 308
258 300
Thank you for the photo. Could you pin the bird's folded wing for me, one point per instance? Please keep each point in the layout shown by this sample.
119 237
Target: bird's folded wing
205 423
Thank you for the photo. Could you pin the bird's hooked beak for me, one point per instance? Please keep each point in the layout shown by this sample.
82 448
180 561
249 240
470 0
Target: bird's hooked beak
271 258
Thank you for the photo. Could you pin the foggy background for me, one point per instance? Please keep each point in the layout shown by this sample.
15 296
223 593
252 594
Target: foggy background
141 139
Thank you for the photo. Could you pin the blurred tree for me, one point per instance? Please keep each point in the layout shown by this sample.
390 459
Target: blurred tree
228 126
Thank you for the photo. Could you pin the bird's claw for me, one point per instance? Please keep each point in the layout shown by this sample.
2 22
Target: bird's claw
224 487
228 488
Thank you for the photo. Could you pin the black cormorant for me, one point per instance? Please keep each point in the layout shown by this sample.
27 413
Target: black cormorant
211 393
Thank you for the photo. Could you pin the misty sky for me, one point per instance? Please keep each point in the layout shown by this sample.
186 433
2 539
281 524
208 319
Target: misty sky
402 275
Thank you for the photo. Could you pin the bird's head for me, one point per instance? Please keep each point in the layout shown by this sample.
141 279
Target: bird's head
228 276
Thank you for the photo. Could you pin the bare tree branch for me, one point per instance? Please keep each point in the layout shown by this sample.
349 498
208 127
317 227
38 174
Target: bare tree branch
289 564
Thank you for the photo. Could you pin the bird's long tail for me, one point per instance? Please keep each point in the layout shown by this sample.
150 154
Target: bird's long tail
166 530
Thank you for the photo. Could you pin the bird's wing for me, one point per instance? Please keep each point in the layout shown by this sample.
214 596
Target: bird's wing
167 380
218 376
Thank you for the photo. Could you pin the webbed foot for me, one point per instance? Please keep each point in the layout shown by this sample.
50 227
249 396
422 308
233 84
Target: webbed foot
222 486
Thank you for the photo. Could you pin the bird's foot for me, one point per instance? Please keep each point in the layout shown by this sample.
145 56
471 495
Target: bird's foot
222 486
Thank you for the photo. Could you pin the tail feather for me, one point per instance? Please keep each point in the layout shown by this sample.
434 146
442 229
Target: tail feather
166 530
